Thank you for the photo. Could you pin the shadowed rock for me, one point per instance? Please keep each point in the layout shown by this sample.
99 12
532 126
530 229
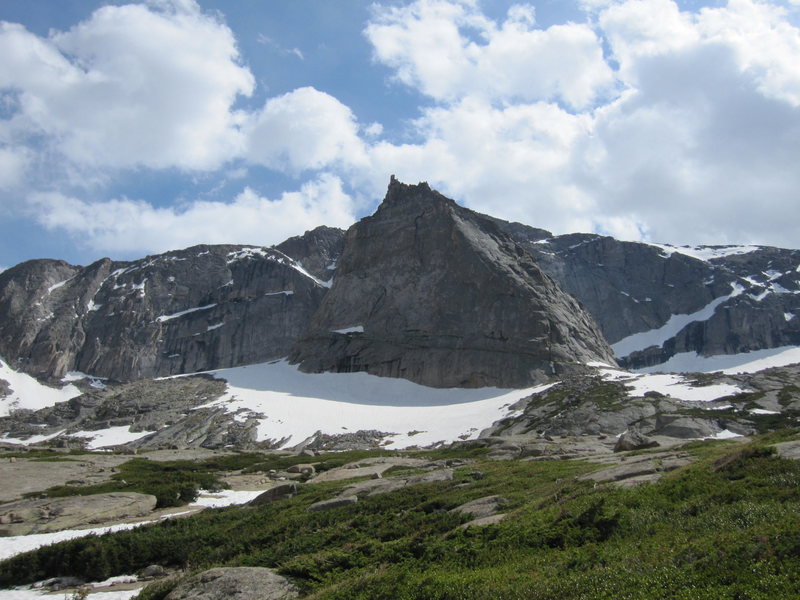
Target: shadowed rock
435 293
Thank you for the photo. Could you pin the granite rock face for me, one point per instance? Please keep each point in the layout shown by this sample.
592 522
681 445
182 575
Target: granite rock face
235 583
432 292
730 299
185 311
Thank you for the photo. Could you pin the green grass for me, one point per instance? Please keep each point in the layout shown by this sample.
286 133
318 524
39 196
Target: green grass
727 526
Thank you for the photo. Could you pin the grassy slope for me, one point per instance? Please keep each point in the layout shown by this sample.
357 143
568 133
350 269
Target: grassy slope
728 526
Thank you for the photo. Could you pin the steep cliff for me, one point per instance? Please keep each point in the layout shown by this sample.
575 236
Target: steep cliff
432 292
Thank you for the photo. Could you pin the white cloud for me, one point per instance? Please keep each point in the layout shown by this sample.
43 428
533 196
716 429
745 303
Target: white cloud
702 146
304 129
13 164
130 87
449 49
698 145
132 226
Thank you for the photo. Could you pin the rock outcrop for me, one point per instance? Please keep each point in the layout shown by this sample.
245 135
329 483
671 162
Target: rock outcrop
741 298
432 292
185 311
235 583
55 514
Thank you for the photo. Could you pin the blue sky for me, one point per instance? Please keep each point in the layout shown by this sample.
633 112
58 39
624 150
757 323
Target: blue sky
135 128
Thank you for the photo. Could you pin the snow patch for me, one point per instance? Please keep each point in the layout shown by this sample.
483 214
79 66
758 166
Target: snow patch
297 405
676 386
657 337
164 318
354 329
225 498
281 293
747 362
27 392
55 286
113 436
13 545
705 253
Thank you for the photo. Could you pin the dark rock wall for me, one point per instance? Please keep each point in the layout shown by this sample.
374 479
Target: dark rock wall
445 298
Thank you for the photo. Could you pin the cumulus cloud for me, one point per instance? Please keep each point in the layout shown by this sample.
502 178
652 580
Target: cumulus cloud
500 160
135 226
449 49
697 143
130 87
303 129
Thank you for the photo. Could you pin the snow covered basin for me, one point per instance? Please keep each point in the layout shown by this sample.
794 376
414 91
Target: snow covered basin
292 406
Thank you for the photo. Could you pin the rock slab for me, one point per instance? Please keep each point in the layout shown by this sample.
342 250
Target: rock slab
235 583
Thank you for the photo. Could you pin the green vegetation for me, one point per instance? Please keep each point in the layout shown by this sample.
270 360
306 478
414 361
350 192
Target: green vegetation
727 526
173 483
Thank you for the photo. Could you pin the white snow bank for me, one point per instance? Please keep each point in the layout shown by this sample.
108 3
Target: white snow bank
669 384
705 253
13 545
354 329
112 436
656 337
677 387
163 318
225 498
296 405
27 392
38 594
747 362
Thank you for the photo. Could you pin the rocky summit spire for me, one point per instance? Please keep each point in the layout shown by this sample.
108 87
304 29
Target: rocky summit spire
435 293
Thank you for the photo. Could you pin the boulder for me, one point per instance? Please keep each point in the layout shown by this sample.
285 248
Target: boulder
153 572
279 492
235 583
482 507
634 440
302 469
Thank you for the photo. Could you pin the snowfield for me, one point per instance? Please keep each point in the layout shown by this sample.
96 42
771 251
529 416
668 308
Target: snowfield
669 384
748 362
28 393
293 406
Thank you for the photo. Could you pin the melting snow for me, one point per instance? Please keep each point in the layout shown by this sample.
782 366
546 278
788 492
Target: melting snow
112 436
27 392
297 405
656 337
705 253
354 329
55 286
13 545
677 387
225 498
163 318
747 362
669 384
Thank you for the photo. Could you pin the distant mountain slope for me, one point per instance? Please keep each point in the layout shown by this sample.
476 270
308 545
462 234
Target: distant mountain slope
655 301
189 310
435 293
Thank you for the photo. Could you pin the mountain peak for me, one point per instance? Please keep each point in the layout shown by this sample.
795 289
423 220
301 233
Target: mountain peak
430 291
